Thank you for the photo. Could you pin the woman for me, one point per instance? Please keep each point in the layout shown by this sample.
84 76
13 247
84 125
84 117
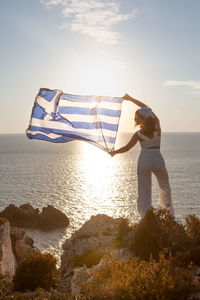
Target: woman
150 159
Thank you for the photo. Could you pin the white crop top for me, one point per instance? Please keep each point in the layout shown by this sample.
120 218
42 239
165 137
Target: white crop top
149 142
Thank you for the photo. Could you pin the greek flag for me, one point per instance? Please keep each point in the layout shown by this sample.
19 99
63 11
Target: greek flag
58 117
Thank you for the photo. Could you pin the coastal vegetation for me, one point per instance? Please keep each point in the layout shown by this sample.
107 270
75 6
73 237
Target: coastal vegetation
157 258
138 279
36 270
160 231
89 258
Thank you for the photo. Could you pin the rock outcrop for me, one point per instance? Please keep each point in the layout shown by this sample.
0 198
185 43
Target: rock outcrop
84 274
22 245
7 264
97 234
27 216
88 249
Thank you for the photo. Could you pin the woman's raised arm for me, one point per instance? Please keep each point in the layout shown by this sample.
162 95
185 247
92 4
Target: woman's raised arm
137 102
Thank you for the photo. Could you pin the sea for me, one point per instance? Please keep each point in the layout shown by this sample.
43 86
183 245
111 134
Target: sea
81 180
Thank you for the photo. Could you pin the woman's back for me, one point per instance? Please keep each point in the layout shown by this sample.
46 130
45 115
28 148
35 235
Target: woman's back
147 142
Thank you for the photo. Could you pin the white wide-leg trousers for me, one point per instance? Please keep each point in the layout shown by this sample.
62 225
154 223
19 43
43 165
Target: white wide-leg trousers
151 161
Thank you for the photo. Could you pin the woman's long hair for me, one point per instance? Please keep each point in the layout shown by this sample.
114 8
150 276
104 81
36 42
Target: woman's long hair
147 125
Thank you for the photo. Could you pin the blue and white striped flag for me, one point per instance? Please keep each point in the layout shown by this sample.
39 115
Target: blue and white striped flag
58 117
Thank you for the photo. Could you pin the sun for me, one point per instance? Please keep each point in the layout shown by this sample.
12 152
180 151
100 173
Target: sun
98 78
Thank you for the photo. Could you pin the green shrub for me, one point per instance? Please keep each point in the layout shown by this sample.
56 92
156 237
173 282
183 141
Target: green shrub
5 286
36 270
192 254
120 240
158 231
193 229
135 279
89 258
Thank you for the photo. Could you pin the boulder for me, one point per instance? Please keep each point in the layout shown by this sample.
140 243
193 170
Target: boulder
98 225
18 216
29 209
52 218
7 263
27 216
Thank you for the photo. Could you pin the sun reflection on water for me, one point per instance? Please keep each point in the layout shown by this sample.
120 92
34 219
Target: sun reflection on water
98 169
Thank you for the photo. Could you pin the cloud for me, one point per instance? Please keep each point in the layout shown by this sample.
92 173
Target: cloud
195 85
95 18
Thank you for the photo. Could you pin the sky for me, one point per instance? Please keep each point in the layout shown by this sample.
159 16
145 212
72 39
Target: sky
149 49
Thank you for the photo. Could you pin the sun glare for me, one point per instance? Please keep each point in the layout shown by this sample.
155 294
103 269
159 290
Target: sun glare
99 168
99 78
95 160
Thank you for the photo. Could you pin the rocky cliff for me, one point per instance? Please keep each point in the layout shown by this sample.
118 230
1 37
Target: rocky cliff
22 244
89 249
14 246
7 264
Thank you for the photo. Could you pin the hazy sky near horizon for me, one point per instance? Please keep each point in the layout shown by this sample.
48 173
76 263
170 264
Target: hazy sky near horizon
147 48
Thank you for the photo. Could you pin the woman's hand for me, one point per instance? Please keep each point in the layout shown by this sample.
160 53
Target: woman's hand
127 97
112 153
137 102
